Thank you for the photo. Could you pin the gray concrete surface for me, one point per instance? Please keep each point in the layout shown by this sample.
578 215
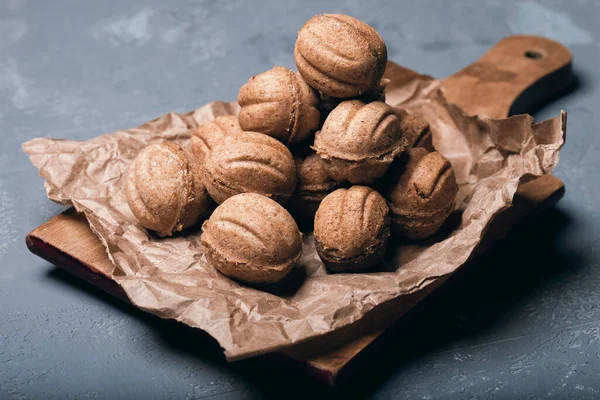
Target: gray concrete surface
75 69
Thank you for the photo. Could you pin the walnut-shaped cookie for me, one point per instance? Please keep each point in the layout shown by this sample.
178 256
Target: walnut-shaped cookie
251 238
339 55
415 129
164 189
250 162
313 185
328 103
205 136
359 141
280 104
351 229
420 193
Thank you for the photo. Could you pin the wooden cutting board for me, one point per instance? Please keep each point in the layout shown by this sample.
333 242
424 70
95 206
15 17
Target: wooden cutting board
518 74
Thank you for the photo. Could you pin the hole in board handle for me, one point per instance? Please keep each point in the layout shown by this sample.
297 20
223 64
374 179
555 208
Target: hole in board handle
533 54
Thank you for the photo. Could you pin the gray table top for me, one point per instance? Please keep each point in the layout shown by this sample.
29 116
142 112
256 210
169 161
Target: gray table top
74 69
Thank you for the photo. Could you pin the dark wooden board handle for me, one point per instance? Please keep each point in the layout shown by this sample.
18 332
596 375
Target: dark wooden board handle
519 73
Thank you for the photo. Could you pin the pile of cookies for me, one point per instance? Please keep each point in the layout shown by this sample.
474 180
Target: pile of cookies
320 142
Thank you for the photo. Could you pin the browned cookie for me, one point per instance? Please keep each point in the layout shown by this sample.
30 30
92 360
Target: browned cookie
339 55
164 188
313 185
250 162
351 229
251 238
359 141
280 104
415 129
421 193
207 135
328 103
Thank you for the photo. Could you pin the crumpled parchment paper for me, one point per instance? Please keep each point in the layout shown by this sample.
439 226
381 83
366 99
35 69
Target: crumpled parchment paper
171 278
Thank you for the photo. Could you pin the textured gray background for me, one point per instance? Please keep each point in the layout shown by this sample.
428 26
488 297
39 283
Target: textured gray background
75 69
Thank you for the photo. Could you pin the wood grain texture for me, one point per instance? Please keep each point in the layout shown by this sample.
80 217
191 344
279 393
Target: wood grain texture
518 73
